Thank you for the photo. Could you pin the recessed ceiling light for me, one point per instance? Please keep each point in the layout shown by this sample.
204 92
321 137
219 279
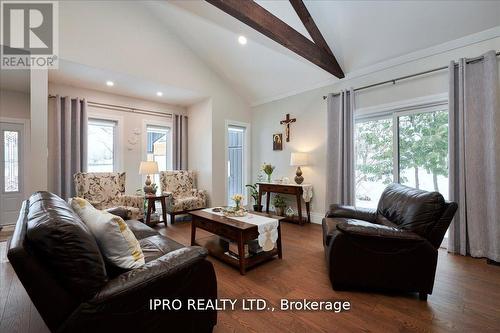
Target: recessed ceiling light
242 40
159 94
110 83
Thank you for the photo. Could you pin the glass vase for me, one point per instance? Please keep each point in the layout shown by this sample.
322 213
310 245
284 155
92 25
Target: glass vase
269 178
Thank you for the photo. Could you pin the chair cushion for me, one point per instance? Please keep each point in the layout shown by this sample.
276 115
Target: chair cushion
65 244
188 203
411 209
117 243
156 246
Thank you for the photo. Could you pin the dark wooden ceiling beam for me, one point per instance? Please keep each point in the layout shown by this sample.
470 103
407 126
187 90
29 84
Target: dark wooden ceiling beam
255 16
311 27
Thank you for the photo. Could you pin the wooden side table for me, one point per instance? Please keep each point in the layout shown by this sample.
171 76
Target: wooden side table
151 199
293 189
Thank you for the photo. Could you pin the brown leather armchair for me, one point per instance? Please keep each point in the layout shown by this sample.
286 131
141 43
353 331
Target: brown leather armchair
75 290
391 248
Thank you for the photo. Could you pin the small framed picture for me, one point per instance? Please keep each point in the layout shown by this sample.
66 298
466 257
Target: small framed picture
278 141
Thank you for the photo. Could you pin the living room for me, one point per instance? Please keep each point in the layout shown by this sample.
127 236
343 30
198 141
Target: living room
250 166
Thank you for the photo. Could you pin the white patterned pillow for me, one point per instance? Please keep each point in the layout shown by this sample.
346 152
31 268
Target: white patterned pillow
116 242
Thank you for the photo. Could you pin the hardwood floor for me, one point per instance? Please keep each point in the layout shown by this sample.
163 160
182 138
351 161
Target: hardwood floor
466 294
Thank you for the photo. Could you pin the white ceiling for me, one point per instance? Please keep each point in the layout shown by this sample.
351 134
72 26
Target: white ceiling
360 34
363 35
83 76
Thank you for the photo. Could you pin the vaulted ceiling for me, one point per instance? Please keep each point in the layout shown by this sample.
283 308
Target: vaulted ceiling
361 34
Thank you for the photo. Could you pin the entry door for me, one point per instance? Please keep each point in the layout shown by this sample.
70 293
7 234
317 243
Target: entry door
11 171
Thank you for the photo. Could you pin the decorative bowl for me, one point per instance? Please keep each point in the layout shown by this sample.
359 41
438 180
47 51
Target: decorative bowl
233 212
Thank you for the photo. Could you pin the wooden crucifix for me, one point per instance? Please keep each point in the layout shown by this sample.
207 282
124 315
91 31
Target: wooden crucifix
287 121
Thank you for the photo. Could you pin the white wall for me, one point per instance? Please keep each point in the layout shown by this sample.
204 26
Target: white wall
125 37
308 134
200 143
14 104
129 155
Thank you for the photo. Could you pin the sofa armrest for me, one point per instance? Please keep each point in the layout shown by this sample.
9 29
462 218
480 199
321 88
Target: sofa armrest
124 303
119 211
155 272
351 212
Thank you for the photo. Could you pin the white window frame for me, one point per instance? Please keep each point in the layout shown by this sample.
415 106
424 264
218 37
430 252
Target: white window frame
246 156
118 143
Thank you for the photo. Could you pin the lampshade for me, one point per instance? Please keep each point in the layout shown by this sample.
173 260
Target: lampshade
148 168
298 159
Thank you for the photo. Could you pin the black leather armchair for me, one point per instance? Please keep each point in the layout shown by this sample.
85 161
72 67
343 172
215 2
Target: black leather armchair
391 248
76 290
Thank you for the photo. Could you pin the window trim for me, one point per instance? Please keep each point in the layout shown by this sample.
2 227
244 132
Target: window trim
118 148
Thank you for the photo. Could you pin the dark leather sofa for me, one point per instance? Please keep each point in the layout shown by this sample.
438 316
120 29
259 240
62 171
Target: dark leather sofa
75 290
391 248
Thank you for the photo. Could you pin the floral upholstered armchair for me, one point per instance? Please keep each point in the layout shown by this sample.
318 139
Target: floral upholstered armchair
182 196
106 190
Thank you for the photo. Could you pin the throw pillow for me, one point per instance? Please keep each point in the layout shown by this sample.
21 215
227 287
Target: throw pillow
117 243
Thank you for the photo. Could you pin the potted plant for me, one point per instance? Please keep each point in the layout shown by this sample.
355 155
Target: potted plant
279 204
254 193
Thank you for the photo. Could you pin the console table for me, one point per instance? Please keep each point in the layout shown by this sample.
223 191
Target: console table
302 191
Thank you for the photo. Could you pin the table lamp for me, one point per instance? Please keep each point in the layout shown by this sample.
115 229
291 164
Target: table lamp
298 160
148 168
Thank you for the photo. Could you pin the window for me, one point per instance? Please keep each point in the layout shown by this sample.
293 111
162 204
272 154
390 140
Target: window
101 145
158 148
236 161
374 160
11 161
409 147
423 151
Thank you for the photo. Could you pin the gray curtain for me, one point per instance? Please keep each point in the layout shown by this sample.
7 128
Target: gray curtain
340 149
474 104
68 143
179 135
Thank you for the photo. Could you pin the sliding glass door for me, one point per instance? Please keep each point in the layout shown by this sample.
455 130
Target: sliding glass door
409 147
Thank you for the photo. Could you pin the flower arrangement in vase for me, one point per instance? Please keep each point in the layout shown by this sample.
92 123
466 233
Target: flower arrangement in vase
268 170
237 198
237 210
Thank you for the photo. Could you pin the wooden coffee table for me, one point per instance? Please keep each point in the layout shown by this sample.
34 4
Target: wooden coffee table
234 230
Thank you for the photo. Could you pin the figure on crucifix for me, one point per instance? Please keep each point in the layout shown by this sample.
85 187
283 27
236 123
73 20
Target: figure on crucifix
287 121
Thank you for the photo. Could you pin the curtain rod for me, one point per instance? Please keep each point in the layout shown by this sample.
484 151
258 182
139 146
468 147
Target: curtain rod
125 108
393 81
